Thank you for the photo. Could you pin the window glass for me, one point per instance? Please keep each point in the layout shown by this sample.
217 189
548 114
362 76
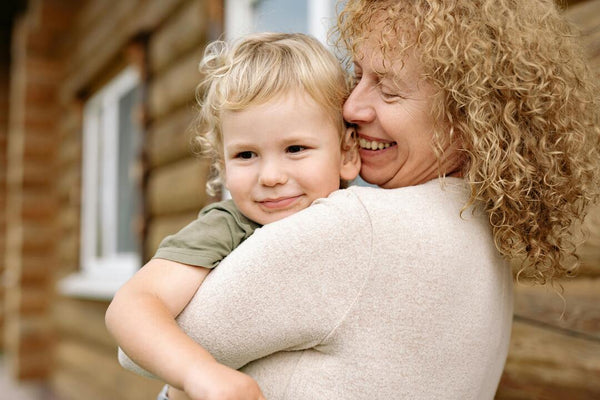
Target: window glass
128 190
281 16
308 16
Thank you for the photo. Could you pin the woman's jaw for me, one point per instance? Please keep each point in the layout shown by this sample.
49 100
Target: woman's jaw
388 165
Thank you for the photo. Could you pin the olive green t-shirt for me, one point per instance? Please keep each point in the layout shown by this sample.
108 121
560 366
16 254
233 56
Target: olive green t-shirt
218 230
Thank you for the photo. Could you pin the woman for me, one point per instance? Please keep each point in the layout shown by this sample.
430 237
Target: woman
402 292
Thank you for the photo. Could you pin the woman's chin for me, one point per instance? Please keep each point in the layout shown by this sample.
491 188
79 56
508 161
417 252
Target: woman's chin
371 177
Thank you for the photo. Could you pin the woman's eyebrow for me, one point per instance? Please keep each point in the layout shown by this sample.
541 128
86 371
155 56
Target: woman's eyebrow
396 82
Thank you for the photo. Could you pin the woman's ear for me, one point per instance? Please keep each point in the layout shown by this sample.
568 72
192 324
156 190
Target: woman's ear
350 160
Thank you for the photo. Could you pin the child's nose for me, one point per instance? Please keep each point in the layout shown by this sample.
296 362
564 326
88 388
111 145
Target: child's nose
272 174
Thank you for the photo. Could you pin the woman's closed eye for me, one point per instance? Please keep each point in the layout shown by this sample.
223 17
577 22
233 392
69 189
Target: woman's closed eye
389 94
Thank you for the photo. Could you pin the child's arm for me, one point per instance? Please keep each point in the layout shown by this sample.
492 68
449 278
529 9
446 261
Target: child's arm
141 317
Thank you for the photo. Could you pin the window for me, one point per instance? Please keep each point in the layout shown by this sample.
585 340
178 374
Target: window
111 192
309 16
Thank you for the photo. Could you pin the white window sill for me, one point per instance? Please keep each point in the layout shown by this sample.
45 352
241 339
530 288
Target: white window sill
90 286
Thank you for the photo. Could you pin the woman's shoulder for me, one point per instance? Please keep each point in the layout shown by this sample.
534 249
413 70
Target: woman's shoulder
435 210
449 194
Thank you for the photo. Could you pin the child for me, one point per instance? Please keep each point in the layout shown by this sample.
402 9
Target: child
270 118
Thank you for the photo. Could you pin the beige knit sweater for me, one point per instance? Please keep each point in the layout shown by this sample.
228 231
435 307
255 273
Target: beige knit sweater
369 294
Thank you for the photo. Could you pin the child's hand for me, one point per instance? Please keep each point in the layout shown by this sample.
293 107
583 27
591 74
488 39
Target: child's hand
214 381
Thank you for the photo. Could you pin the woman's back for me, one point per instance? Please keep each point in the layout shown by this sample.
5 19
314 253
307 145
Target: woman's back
398 288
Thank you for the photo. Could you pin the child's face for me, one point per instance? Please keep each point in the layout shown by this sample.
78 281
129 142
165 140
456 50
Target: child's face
281 156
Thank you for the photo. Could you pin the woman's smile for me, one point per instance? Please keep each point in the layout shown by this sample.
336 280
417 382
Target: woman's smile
373 144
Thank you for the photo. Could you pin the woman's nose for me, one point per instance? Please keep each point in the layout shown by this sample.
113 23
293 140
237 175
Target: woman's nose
358 108
272 174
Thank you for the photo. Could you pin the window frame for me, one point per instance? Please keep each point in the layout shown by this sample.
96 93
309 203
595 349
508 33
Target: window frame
99 277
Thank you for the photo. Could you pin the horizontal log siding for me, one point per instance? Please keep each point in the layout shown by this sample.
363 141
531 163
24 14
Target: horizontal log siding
85 363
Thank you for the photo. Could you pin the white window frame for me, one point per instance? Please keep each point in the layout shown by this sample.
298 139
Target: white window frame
240 18
101 277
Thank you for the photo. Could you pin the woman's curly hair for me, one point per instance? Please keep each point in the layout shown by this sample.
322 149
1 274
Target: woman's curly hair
515 92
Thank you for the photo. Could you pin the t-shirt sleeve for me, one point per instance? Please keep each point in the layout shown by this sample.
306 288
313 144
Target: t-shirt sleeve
285 288
219 229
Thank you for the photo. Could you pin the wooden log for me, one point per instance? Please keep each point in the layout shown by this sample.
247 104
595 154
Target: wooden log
175 87
67 252
27 339
91 13
43 70
36 173
68 385
48 17
36 204
170 138
83 319
69 151
585 14
102 42
183 32
544 306
161 227
69 126
114 382
68 219
34 295
68 187
589 251
39 146
33 365
38 236
177 187
548 364
36 268
93 51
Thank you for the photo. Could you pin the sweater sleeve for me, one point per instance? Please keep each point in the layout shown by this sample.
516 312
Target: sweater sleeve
286 287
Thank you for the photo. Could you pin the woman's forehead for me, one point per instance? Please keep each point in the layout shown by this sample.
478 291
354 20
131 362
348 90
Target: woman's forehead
386 61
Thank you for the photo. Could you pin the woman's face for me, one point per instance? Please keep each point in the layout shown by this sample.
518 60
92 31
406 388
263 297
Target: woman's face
393 119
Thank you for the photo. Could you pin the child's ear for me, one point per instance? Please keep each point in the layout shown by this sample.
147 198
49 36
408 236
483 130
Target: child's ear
350 160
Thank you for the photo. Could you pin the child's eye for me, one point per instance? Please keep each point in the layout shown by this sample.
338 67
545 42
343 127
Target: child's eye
245 155
296 148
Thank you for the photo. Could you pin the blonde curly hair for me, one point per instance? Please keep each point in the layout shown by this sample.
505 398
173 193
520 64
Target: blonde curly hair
514 90
258 68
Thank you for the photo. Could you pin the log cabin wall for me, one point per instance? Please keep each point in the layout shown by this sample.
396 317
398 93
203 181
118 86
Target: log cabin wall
4 82
31 198
170 36
63 52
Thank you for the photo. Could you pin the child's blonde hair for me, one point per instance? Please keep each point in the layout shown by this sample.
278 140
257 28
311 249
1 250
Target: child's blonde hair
256 69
